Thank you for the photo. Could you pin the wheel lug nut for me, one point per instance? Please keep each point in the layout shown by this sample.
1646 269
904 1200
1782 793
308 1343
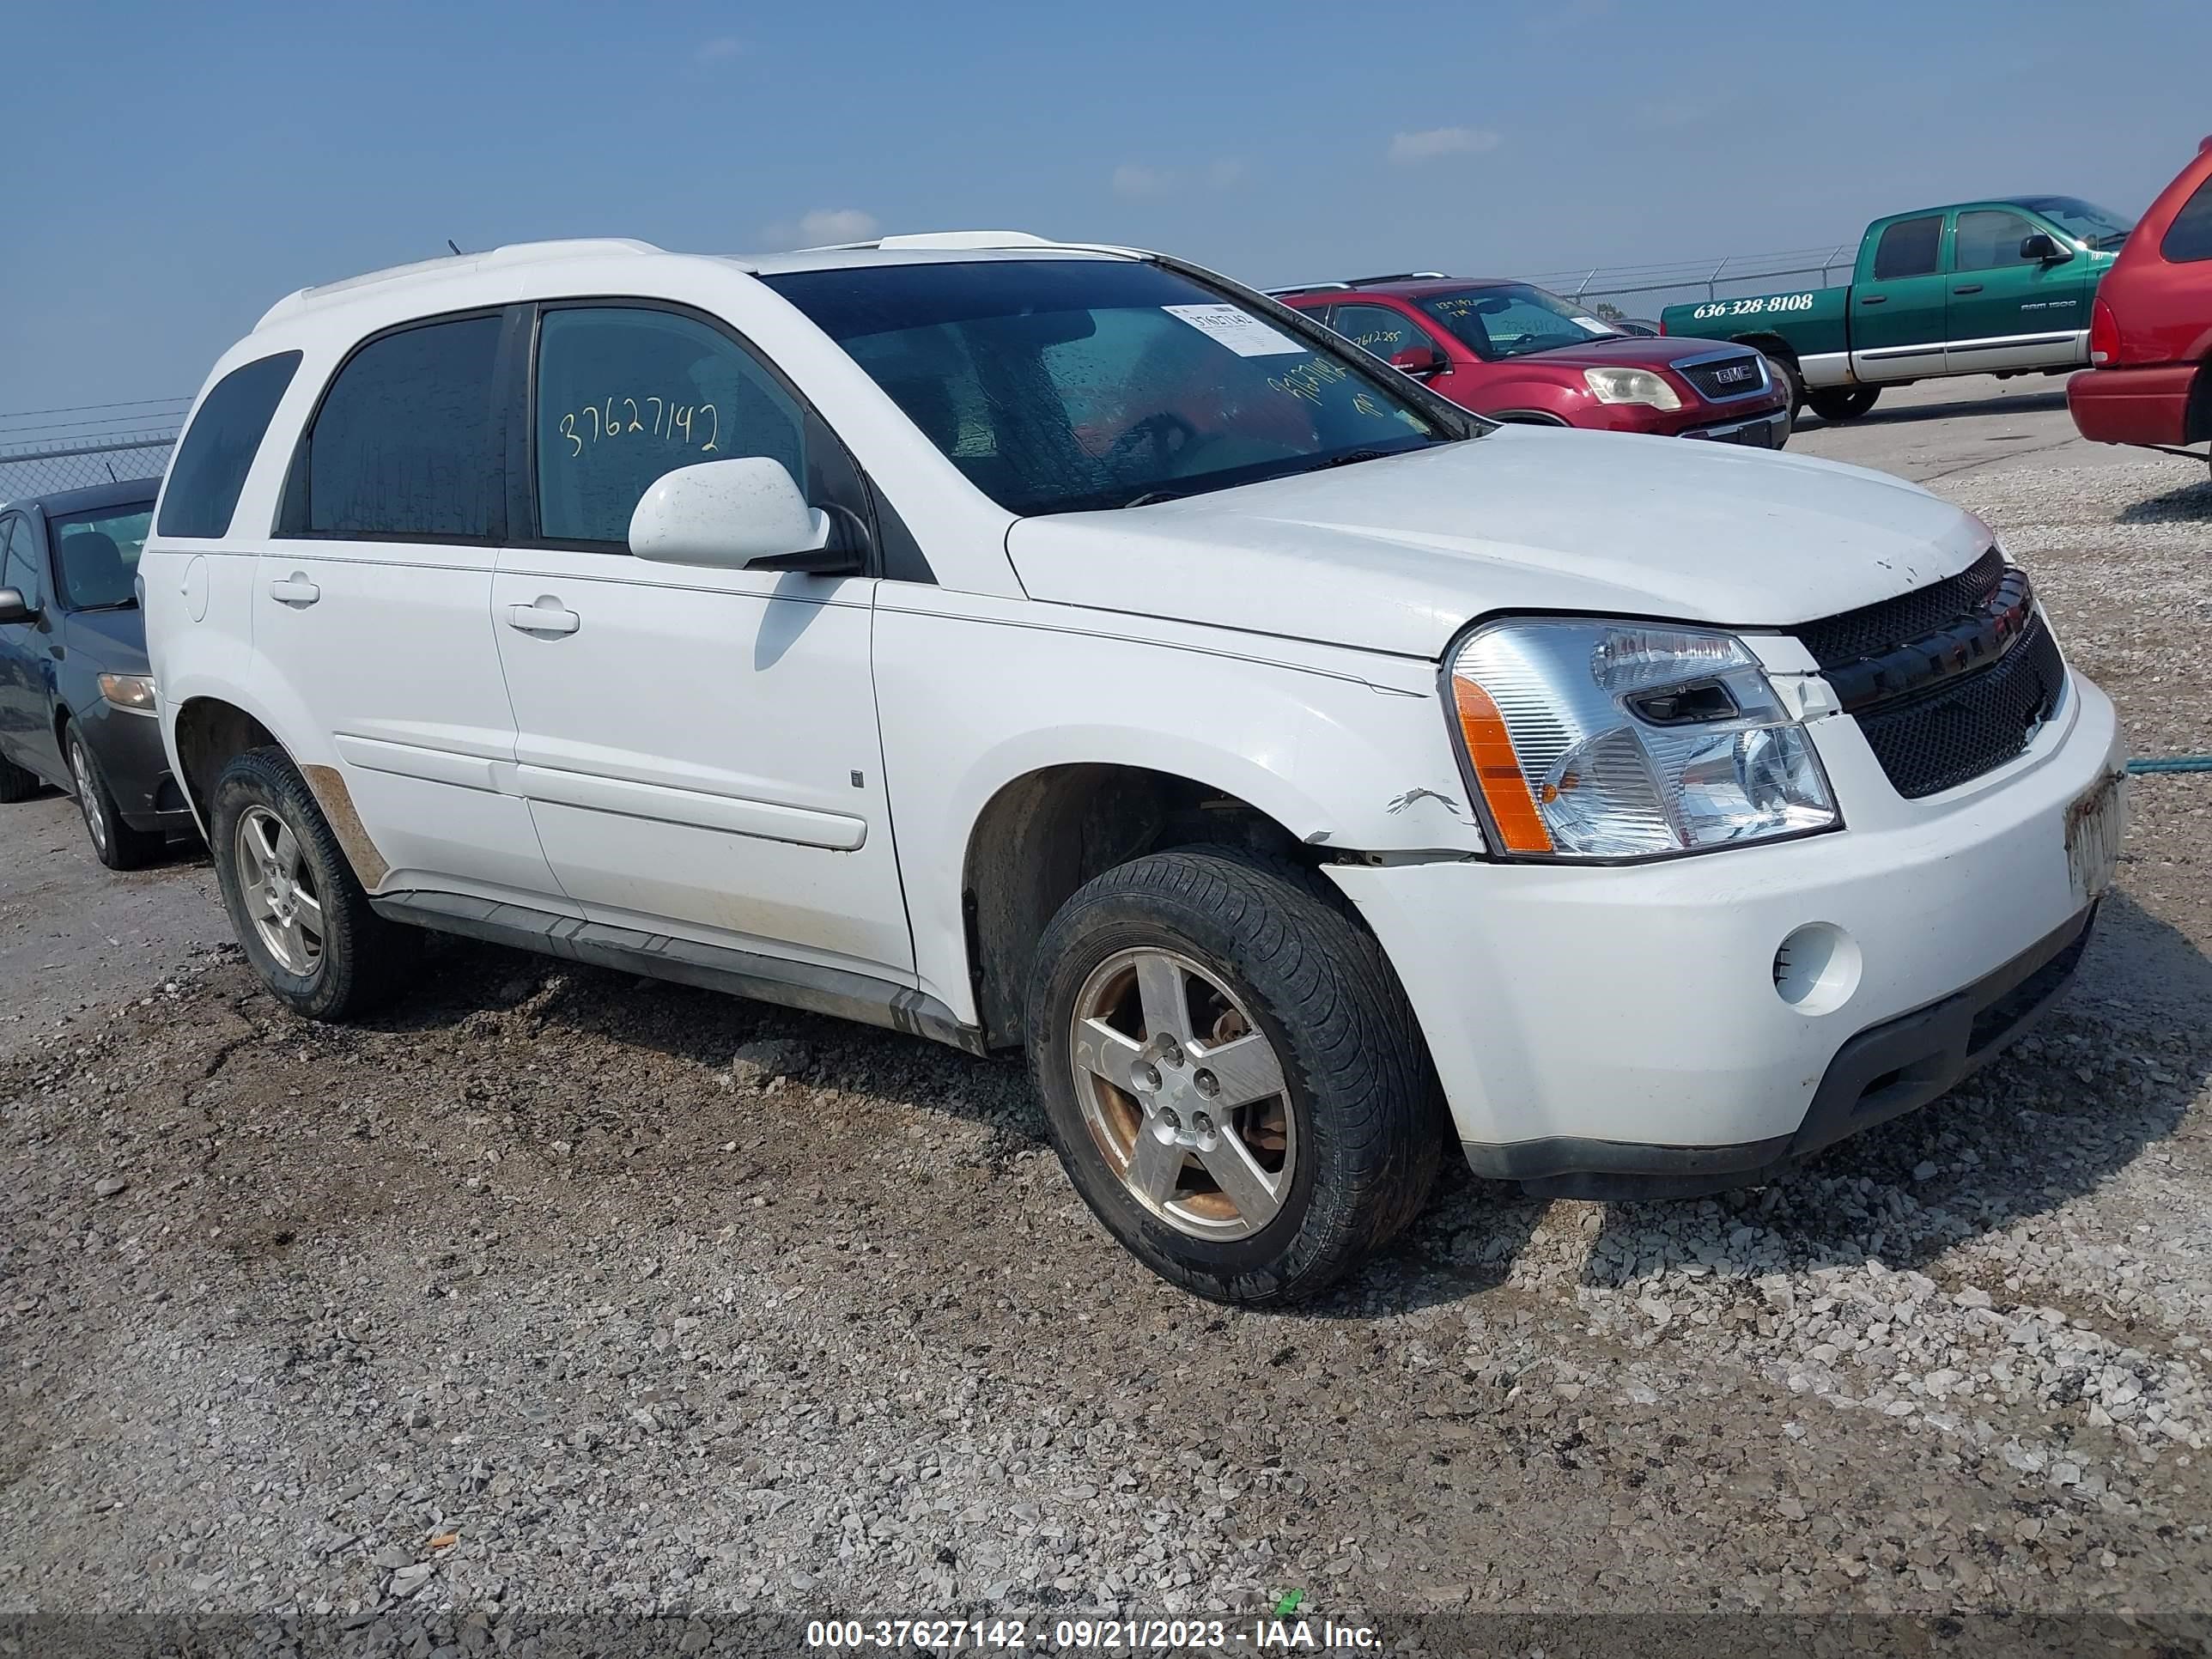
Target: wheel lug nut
1145 1077
1202 1123
1207 1085
1170 1118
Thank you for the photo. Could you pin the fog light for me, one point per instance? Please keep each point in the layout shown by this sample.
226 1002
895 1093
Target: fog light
1817 968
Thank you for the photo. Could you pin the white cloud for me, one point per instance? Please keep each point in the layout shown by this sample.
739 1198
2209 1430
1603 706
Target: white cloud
719 50
1132 180
820 226
1407 149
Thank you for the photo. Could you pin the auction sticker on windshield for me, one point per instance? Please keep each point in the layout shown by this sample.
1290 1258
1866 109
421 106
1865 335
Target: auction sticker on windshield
1239 330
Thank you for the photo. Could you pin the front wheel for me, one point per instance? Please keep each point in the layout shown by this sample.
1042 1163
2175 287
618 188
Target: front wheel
1233 1077
1843 403
299 912
114 842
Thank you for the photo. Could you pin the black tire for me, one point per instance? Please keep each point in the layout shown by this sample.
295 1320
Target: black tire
1843 403
363 961
114 842
1368 1115
1786 371
17 782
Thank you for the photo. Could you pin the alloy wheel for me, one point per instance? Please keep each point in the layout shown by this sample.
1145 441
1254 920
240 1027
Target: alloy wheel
1184 1094
88 792
281 900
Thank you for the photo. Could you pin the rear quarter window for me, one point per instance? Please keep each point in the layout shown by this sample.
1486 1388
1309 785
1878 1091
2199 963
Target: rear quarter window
218 450
2189 238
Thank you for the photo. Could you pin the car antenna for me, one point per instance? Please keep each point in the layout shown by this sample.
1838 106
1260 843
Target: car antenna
454 245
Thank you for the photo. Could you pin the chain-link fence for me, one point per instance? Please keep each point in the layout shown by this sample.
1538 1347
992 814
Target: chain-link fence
44 469
1646 290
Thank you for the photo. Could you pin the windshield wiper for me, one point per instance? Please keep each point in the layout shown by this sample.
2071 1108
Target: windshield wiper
1150 496
1349 457
120 605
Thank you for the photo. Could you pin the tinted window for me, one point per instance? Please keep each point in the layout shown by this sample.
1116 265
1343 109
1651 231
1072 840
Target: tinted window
1378 329
625 394
96 555
19 563
407 443
1989 239
2189 238
1908 248
212 462
1059 385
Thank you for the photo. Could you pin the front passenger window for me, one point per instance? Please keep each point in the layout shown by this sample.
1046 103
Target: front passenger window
626 393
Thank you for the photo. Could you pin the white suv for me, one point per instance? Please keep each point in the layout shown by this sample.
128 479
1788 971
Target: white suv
1018 643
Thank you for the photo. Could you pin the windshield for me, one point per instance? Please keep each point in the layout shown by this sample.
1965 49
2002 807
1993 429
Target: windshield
2087 223
1061 385
98 553
1511 319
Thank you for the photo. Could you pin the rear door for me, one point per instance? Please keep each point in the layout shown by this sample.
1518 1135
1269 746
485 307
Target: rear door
699 745
2008 310
372 602
1899 300
28 651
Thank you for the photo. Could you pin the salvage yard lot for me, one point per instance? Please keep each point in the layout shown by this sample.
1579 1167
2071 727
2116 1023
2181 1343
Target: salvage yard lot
524 1297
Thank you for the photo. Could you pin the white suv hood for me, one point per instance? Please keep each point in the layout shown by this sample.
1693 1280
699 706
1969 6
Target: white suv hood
1398 555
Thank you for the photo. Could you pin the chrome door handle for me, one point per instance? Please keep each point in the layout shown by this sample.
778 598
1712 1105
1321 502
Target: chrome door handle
296 589
546 616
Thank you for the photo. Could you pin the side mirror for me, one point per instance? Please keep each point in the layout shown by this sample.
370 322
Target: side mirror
745 513
2044 248
15 608
1421 361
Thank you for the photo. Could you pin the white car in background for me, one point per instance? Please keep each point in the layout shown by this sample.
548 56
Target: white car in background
1018 643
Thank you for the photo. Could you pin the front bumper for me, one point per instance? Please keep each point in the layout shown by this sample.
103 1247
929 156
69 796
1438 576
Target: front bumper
128 746
1609 1028
1768 431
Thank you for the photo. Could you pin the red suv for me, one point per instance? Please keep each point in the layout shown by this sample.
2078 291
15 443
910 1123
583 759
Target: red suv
1513 352
2150 334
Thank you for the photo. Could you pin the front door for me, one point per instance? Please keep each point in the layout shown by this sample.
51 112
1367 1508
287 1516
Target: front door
1897 301
2008 310
372 605
28 651
699 745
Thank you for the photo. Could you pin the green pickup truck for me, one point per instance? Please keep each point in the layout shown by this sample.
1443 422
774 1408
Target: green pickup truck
2000 286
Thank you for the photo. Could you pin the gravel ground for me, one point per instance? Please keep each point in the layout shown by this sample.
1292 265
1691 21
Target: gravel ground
560 1290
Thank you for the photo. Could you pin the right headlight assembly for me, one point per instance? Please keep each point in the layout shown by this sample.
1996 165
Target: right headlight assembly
1614 740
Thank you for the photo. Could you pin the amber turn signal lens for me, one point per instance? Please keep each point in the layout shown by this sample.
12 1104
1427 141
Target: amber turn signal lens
1497 771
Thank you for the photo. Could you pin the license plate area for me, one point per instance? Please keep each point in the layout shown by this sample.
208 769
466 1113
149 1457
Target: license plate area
2096 823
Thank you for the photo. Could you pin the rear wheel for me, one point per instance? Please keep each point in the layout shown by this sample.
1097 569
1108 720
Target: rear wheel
1233 1077
1843 403
299 912
114 842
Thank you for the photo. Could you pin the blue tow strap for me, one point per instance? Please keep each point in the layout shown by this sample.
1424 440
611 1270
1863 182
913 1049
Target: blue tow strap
2172 763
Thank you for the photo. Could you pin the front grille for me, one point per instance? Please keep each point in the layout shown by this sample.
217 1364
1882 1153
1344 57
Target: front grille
1874 628
1723 378
1963 727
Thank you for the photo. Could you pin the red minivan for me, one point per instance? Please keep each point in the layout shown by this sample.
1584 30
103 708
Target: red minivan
1515 352
2150 334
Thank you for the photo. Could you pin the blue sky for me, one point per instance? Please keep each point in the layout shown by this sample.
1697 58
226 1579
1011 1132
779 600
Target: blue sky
174 168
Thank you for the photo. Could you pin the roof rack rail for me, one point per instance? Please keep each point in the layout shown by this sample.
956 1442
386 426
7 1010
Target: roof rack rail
1304 288
1401 276
944 240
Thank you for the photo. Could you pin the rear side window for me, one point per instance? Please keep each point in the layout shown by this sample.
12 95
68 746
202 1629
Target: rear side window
212 462
407 445
1909 248
2189 238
